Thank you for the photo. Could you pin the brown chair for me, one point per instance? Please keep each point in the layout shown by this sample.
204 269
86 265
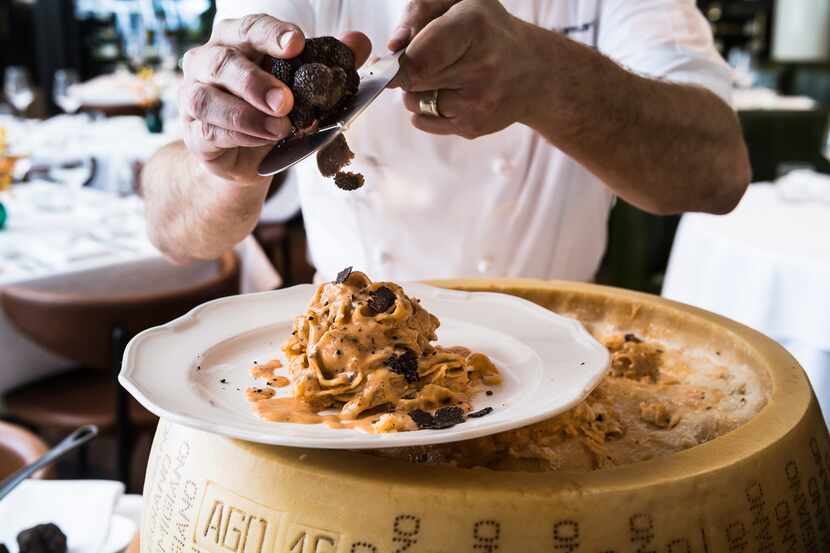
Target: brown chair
273 238
19 448
83 321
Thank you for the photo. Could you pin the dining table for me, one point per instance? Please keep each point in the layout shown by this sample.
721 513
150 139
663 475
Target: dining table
766 265
82 238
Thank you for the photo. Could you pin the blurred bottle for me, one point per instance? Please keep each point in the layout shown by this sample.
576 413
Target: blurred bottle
63 90
18 89
153 119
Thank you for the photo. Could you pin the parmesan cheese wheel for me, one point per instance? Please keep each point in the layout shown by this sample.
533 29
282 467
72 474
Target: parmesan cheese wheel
763 487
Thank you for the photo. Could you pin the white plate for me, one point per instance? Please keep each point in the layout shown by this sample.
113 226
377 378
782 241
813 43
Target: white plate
121 534
549 364
130 506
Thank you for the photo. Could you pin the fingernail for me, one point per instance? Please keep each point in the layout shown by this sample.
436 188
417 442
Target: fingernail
276 126
401 34
285 39
275 98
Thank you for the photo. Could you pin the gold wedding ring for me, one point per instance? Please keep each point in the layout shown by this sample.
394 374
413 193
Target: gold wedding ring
429 106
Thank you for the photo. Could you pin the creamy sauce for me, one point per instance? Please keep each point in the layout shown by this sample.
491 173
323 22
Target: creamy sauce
289 409
259 394
279 382
363 348
265 370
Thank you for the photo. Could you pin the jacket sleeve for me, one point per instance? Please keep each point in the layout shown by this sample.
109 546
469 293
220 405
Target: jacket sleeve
664 39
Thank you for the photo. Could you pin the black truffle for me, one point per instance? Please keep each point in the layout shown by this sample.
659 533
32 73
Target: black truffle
335 156
632 338
406 365
349 181
43 538
323 79
3 548
329 51
284 70
422 418
318 85
302 116
344 275
447 417
352 82
480 413
381 300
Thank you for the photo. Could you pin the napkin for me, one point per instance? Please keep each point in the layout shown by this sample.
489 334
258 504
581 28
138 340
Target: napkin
804 185
81 508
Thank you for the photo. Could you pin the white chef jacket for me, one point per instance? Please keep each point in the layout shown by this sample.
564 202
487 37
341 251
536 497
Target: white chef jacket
506 204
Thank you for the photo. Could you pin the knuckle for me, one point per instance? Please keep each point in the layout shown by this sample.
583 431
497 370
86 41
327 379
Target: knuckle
486 105
187 59
467 128
260 28
249 22
415 9
235 117
249 83
223 58
237 139
415 72
475 17
208 132
199 100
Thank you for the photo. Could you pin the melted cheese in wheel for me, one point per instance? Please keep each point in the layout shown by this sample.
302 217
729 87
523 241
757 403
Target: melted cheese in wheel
655 400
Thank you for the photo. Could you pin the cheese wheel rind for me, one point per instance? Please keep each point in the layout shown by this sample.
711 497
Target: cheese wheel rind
763 487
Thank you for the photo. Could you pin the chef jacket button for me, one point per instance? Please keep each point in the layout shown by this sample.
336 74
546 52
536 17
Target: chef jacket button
484 265
501 166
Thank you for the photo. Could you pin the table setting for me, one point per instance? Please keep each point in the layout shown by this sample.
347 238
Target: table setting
96 516
83 238
66 515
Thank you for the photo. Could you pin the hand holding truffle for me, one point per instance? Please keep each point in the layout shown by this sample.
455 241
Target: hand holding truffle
475 54
234 109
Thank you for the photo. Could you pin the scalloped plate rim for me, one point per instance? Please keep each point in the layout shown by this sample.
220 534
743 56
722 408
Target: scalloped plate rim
400 439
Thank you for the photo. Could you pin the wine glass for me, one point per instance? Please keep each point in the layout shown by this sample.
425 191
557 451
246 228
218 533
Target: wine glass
62 91
17 88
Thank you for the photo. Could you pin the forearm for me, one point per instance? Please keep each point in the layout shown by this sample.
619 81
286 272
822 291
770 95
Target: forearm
193 214
664 147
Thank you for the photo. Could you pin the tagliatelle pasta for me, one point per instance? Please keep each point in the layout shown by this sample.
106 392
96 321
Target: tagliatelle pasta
364 350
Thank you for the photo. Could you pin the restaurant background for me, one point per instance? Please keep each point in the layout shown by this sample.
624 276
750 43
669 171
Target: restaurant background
89 90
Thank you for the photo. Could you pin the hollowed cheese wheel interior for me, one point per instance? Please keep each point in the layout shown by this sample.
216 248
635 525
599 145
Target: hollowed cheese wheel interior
762 487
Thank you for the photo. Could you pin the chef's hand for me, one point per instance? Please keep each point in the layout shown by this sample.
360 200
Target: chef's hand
476 54
233 110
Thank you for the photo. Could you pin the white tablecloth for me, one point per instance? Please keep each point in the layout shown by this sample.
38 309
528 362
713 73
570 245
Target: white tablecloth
746 99
115 144
77 239
766 265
